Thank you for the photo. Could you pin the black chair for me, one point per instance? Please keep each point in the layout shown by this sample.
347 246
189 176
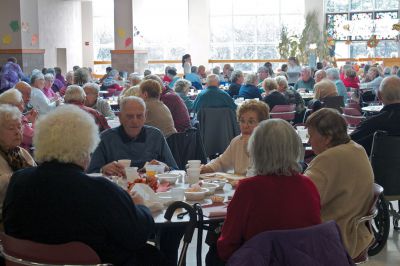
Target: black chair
385 161
187 146
334 102
218 126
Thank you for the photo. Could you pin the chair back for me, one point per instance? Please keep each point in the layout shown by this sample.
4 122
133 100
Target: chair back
187 146
110 93
335 102
25 252
354 104
218 126
286 112
385 161
352 116
305 246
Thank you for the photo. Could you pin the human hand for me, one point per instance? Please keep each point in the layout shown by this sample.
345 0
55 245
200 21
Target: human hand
113 168
32 116
136 198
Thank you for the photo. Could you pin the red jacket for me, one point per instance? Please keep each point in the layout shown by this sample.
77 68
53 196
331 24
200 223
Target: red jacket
264 203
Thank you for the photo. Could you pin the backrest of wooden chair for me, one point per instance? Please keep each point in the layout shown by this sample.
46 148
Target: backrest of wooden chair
285 112
25 252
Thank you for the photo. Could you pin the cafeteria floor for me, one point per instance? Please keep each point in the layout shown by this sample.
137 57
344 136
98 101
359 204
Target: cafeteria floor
390 255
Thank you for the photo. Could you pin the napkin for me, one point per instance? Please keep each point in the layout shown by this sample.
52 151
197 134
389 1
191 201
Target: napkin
215 210
151 200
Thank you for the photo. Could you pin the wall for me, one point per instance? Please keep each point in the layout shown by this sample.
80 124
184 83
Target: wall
10 10
60 26
87 34
199 31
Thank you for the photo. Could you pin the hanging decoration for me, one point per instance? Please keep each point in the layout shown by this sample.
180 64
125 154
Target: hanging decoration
121 33
7 39
14 25
348 42
373 41
34 39
128 42
396 27
24 26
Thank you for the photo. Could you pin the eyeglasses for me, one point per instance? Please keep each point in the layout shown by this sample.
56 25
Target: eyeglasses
249 123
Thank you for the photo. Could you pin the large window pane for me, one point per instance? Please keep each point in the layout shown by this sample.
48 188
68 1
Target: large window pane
387 49
220 7
290 6
220 52
337 6
362 25
336 26
267 52
247 7
361 5
221 29
383 24
244 52
268 29
359 49
386 4
244 29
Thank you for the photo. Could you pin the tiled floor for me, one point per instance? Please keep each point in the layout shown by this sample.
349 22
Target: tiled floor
389 256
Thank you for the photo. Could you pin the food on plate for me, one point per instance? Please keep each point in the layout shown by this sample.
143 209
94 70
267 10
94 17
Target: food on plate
150 181
194 188
217 199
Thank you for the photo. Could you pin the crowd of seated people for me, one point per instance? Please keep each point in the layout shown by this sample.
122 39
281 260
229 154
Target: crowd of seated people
66 126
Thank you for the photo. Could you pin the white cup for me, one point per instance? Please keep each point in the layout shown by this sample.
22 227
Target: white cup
159 169
194 164
125 162
131 173
178 193
193 175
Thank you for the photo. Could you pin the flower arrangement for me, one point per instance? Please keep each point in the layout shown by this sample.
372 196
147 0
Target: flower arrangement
373 41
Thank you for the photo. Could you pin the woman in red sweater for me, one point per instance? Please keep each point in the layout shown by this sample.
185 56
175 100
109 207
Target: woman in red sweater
278 197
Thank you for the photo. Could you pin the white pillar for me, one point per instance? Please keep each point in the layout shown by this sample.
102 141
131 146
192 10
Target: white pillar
87 34
199 32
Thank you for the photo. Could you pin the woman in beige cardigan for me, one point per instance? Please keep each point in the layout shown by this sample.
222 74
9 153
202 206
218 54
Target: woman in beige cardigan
343 175
236 157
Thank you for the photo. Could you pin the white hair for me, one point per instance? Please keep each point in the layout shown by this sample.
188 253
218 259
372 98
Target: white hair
212 78
11 96
182 85
92 87
9 113
35 76
74 93
250 79
67 134
281 80
49 77
275 148
333 73
135 99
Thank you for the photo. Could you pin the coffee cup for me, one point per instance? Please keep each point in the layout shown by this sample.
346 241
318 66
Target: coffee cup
125 162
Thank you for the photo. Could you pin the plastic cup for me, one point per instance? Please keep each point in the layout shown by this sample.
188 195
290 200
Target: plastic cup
131 173
194 163
125 162
193 175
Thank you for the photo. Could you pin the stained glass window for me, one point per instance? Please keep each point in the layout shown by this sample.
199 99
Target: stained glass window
333 6
362 5
383 24
361 26
336 26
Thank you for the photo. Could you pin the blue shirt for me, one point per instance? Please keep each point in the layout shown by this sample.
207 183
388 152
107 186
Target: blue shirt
342 91
308 85
115 145
248 91
213 97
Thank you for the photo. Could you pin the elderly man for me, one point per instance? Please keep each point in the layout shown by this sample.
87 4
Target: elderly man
388 119
93 100
75 95
212 96
262 73
133 80
132 140
319 75
306 82
249 89
333 74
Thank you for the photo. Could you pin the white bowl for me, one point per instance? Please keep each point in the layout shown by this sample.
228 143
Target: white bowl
170 178
211 187
196 196
220 182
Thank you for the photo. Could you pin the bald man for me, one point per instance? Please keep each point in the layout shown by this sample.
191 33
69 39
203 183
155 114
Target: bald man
25 90
388 119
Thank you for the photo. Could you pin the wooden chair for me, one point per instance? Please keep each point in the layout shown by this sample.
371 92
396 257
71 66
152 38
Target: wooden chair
352 116
285 112
334 102
25 252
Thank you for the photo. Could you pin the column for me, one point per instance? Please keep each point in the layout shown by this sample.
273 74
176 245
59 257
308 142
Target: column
199 32
87 33
19 34
124 58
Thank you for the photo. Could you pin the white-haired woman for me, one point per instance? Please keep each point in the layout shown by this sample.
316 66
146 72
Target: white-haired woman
14 97
182 88
12 156
39 100
278 197
249 89
57 202
93 100
48 83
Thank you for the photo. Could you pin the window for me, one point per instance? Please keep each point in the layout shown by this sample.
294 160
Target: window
103 32
251 29
163 26
352 23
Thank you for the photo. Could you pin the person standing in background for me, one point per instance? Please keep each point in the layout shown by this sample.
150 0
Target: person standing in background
186 64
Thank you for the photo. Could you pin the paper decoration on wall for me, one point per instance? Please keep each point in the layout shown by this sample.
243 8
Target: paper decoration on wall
372 42
396 26
14 25
25 26
34 39
7 39
128 42
121 33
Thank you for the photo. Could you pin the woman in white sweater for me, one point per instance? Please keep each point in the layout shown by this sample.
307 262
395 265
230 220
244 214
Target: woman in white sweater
236 157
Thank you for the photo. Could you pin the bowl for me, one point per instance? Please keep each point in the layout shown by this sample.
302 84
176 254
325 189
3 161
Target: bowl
217 199
170 178
220 182
211 187
197 195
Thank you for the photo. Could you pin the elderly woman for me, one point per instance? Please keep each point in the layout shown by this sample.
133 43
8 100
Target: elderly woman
14 97
182 88
292 97
157 113
235 157
237 79
48 83
333 74
133 80
39 100
249 89
93 100
12 156
324 88
76 96
109 220
273 96
270 200
343 175
375 77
